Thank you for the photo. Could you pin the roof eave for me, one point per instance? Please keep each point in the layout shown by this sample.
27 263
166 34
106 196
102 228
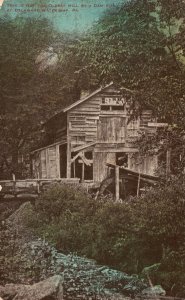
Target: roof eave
86 98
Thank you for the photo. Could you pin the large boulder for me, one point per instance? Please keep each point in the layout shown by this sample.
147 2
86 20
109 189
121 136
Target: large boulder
50 288
47 60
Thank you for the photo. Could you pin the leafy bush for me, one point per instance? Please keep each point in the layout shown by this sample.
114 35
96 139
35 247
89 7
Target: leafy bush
133 235
62 214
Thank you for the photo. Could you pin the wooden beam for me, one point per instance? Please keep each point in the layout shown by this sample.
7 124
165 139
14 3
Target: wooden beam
112 149
152 124
76 149
126 170
68 150
83 172
47 164
168 162
117 183
112 113
74 169
43 148
138 184
58 161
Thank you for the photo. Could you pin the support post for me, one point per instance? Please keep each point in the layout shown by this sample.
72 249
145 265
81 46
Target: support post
58 161
74 169
68 149
69 158
38 184
83 171
168 162
138 184
117 182
14 184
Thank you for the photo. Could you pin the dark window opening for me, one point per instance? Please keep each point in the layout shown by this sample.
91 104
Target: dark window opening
112 107
76 168
116 107
105 107
122 159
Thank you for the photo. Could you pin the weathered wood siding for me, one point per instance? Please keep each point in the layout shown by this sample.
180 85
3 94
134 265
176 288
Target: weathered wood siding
111 129
100 169
92 121
46 163
83 122
100 125
43 166
99 166
87 123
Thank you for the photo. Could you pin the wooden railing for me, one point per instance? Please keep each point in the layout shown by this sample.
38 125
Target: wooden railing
29 188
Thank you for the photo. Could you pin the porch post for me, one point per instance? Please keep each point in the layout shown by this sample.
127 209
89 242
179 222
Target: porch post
68 158
117 182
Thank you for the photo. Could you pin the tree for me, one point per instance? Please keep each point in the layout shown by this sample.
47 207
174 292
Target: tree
141 46
41 71
21 40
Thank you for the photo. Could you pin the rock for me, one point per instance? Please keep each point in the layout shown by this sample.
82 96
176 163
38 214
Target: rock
35 260
47 59
50 288
156 290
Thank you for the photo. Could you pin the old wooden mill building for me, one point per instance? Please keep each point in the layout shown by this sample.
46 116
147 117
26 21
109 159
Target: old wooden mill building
91 133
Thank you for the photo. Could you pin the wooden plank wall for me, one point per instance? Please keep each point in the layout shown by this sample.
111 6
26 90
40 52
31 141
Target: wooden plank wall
87 124
83 122
111 129
43 166
46 163
100 169
85 118
99 166
51 162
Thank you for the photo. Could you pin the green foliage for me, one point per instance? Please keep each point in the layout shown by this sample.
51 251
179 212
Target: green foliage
140 233
23 263
29 92
21 88
140 46
21 259
172 139
72 209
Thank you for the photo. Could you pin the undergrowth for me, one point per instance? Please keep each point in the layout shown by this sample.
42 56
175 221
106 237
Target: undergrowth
144 235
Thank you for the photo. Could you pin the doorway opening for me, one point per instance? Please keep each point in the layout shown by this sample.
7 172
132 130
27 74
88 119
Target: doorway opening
88 170
63 160
82 166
